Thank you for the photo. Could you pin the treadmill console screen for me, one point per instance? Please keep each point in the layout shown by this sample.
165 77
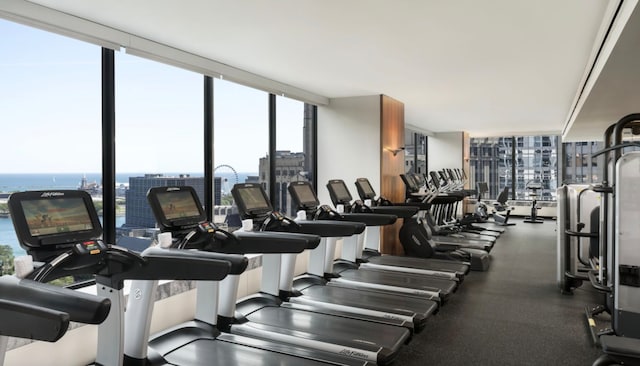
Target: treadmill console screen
251 199
46 217
303 195
178 205
176 208
365 189
53 218
339 191
483 187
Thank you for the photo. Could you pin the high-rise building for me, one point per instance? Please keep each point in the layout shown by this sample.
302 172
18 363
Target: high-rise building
290 167
579 165
517 162
139 212
217 191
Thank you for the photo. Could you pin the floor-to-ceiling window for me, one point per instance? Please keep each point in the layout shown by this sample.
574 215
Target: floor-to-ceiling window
50 110
241 143
159 136
536 167
491 162
294 124
527 165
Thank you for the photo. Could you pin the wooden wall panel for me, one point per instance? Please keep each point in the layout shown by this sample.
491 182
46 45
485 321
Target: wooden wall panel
391 166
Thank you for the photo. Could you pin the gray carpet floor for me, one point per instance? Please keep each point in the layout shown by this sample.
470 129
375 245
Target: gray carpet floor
513 314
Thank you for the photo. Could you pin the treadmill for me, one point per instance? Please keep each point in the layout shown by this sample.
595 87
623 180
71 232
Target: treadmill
61 231
449 196
310 289
348 273
370 257
374 342
425 199
263 322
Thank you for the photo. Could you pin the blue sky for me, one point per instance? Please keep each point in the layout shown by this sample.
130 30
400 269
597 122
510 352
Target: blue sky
50 111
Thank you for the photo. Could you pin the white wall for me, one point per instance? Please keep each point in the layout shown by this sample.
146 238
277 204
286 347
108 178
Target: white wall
445 150
349 143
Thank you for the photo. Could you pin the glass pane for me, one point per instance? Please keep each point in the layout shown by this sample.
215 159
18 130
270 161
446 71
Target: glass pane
50 104
293 150
421 147
537 167
159 141
490 162
409 151
241 144
415 144
580 166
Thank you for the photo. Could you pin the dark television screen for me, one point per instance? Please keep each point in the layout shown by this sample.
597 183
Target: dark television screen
340 190
253 199
366 188
304 194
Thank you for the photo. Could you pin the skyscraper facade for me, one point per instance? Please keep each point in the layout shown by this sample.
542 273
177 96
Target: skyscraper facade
138 211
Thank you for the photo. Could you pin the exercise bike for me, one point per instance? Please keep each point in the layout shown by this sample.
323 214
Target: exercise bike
533 218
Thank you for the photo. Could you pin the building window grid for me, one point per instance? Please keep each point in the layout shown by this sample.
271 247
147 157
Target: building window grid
535 160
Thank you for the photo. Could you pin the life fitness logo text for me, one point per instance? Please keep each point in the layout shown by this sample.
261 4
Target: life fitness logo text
352 353
51 194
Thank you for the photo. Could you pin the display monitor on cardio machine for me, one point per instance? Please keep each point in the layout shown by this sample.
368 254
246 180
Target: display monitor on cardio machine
47 223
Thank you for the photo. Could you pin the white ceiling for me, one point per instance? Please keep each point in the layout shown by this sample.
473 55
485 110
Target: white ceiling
488 67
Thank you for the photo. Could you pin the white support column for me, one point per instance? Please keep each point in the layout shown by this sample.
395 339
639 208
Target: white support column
111 331
317 259
139 306
330 254
271 264
228 295
351 249
287 271
373 238
207 301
